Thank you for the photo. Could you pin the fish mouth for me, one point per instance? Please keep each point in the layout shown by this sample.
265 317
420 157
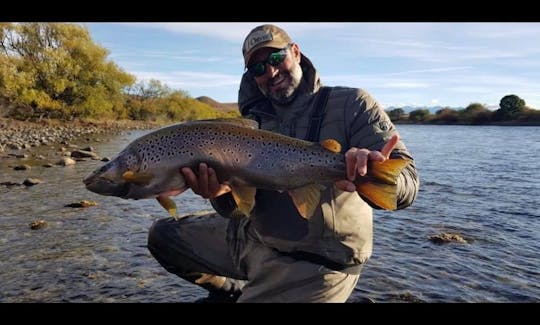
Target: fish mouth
105 186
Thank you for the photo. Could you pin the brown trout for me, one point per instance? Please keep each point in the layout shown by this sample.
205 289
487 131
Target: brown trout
245 158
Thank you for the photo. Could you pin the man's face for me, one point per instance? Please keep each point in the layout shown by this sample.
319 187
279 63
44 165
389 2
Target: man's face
279 82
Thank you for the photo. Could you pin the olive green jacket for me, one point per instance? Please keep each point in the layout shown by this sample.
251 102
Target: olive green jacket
341 228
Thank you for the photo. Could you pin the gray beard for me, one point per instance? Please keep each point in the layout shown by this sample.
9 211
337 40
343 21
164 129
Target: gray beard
286 95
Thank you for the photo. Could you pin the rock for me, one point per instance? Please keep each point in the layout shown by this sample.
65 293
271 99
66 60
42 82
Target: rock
82 204
38 224
32 181
48 165
443 238
89 148
22 167
105 159
21 156
66 161
83 154
9 183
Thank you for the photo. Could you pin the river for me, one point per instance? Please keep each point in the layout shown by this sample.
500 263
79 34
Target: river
480 182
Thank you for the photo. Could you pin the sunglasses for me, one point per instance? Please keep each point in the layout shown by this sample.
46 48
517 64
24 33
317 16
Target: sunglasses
257 69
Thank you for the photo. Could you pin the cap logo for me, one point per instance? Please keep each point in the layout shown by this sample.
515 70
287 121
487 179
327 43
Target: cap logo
258 37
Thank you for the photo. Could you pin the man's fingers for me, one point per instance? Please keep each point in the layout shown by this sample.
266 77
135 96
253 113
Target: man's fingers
389 146
361 161
350 163
213 184
203 180
190 177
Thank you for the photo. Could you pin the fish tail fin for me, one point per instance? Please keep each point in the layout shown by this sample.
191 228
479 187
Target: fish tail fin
379 187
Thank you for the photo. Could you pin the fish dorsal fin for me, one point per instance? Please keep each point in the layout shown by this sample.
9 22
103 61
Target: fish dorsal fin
137 178
168 204
245 122
331 145
244 196
306 199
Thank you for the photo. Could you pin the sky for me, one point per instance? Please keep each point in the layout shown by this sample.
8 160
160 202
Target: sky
399 64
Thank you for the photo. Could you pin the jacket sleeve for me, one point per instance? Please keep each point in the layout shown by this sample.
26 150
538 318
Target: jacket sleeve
368 126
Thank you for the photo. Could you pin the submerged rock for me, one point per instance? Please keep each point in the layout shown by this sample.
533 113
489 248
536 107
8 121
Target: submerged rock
32 181
82 204
9 183
443 238
38 224
22 167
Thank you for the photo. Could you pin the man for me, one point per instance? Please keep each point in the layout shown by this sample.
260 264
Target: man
275 255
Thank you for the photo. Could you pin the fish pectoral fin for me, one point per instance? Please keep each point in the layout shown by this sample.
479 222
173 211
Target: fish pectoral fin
244 196
380 187
168 204
137 178
331 145
306 199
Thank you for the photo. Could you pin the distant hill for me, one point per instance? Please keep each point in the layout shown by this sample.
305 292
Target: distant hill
432 109
222 107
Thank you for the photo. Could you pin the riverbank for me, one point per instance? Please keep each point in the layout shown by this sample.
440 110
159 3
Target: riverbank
498 123
17 135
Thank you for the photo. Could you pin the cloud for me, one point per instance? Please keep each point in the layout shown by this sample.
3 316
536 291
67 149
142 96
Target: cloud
187 80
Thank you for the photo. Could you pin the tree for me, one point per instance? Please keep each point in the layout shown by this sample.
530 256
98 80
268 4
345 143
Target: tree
446 115
419 115
58 70
511 106
396 114
476 113
151 89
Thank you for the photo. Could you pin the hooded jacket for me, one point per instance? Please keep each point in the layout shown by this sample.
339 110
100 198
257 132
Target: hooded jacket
341 230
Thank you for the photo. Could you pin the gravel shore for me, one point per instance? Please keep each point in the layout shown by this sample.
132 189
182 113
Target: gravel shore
17 135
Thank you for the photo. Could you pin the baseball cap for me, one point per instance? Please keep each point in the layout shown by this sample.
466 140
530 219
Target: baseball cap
264 36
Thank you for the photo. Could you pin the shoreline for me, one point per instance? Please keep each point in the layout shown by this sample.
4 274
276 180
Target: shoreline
501 123
47 143
16 135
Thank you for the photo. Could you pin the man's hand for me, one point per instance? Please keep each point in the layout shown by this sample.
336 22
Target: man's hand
356 161
206 185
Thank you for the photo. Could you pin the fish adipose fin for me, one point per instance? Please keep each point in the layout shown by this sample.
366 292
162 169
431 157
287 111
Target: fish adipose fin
380 185
331 145
168 204
244 196
306 199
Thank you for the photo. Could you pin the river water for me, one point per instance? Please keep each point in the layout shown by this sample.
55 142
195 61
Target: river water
479 182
